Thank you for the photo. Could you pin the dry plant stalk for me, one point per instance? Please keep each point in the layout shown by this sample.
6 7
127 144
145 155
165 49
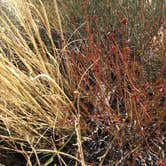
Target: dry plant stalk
32 101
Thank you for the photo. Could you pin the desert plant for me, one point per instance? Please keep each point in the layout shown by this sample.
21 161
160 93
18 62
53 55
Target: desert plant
81 95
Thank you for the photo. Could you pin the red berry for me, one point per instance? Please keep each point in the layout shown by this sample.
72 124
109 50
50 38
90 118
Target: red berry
94 17
124 21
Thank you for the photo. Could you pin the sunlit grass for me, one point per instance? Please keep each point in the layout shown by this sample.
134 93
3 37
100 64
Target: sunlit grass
33 101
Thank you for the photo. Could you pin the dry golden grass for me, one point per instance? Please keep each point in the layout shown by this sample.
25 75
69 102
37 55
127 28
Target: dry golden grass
33 102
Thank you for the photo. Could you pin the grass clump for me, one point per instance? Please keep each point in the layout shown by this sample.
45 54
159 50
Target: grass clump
83 92
35 108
